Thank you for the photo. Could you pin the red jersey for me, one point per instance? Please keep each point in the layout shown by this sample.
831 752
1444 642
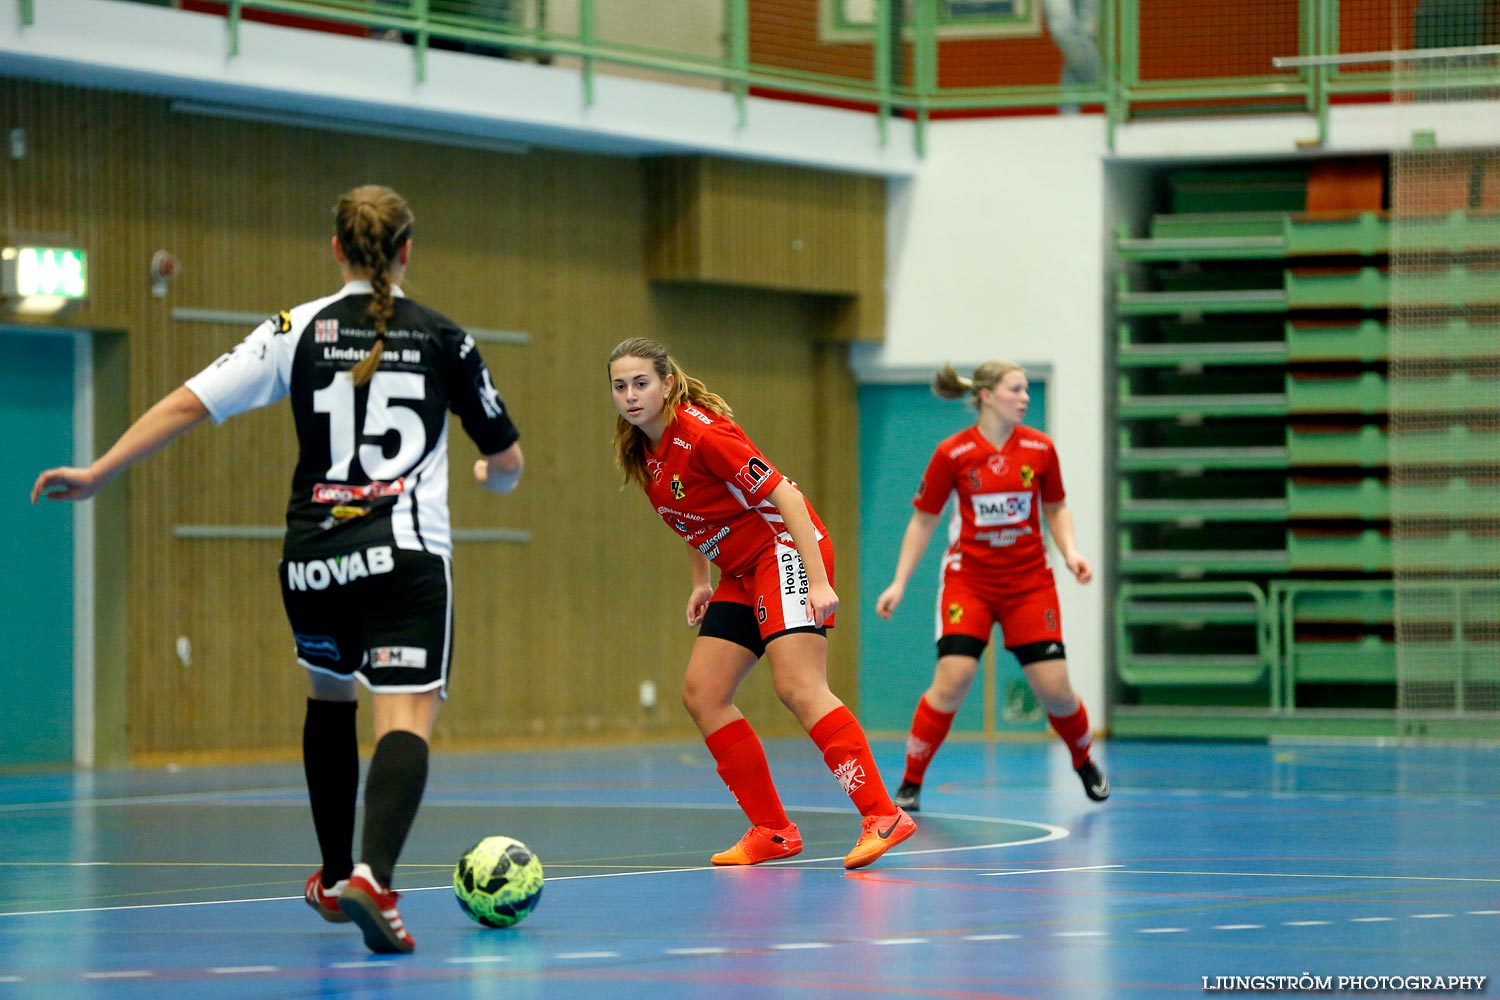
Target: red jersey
712 486
997 521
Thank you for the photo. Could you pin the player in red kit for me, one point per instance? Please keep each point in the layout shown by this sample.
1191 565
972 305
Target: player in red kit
679 442
1003 477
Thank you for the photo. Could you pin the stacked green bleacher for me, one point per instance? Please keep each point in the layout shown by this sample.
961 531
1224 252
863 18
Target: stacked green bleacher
1254 506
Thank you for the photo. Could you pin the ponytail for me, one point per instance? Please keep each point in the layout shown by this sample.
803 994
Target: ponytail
373 224
949 384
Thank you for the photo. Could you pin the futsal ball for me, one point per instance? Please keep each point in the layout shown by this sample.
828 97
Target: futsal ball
498 881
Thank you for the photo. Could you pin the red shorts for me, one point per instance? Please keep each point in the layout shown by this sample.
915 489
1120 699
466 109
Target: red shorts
1025 609
776 588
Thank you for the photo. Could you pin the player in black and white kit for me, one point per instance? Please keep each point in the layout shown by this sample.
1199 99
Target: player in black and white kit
365 571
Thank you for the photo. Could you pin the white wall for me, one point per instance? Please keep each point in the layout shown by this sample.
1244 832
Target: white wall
996 249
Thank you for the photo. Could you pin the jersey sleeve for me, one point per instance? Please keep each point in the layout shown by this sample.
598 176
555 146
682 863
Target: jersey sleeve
248 377
473 396
936 485
1052 484
730 455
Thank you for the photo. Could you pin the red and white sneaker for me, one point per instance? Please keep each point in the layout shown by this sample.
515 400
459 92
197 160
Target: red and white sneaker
373 907
325 902
762 843
878 834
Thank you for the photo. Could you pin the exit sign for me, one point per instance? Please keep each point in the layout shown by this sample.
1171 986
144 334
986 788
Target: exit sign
43 279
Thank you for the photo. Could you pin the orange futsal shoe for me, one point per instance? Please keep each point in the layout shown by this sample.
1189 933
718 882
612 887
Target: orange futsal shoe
878 834
762 843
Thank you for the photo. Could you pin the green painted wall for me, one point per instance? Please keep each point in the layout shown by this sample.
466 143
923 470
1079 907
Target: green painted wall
900 425
36 614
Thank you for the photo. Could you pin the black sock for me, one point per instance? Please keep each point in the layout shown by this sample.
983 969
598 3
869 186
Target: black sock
393 791
330 759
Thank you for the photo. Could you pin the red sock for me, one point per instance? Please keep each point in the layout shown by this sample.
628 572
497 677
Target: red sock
742 765
929 728
1073 730
847 753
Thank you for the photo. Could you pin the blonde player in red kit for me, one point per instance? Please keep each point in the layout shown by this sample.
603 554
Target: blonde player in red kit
775 597
1002 476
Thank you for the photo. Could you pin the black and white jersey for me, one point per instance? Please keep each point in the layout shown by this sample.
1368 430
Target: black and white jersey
373 459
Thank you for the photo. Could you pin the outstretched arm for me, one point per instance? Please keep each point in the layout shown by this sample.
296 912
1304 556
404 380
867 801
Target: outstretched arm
175 413
918 534
1060 524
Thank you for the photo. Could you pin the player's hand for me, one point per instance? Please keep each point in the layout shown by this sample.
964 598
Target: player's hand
1080 568
697 604
481 471
890 597
822 602
66 484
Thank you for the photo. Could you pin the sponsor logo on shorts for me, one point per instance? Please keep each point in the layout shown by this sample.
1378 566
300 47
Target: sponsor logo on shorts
955 613
319 574
793 576
996 509
398 656
317 645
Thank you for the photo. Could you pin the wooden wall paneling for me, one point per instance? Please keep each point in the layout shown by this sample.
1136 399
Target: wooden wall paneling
554 636
787 228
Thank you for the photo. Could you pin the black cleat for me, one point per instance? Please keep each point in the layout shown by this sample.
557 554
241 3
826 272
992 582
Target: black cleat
909 796
1095 784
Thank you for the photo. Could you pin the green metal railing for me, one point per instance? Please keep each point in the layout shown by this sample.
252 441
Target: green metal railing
1123 91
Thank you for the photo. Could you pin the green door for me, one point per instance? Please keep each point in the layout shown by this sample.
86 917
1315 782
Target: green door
36 616
899 426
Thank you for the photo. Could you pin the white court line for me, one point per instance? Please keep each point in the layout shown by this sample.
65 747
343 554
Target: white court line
476 959
240 970
800 946
885 941
1370 920
1162 930
1073 934
121 974
1049 833
1240 927
575 955
697 951
1430 916
992 937
1384 878
1047 871
1307 923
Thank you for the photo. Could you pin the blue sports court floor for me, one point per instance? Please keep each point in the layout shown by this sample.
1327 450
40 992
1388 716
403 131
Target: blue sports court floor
1210 860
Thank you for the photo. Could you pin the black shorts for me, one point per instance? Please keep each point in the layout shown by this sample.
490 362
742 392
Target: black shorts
378 613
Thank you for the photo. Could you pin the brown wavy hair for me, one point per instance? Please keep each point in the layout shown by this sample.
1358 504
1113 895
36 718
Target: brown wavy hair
372 224
951 385
630 440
